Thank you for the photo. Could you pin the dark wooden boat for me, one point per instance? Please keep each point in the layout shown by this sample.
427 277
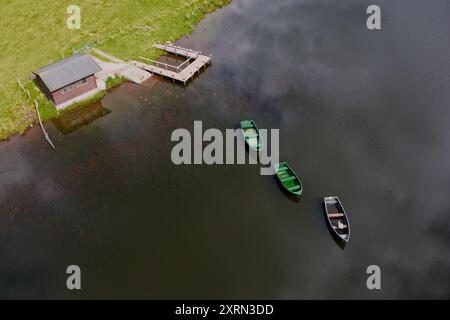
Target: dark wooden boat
337 219
288 180
251 135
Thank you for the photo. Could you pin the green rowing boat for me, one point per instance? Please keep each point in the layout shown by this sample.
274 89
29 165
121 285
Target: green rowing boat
251 135
288 179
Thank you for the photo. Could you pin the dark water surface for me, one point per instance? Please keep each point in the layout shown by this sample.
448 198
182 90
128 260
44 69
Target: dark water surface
362 114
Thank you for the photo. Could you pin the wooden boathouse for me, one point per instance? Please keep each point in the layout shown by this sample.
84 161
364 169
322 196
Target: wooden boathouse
68 79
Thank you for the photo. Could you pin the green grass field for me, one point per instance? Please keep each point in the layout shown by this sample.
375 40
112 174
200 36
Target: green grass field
34 34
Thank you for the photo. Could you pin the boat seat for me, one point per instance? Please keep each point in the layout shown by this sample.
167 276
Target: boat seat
294 188
335 215
288 179
282 169
253 135
342 227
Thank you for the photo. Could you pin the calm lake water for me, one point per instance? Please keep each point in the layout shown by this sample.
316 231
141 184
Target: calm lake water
362 114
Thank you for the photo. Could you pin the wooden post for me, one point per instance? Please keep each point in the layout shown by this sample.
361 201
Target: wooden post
36 105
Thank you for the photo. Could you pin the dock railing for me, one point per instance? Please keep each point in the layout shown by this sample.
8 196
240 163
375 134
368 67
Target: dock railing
186 62
167 66
159 64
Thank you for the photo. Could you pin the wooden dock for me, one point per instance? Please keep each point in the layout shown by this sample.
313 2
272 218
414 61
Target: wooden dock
194 63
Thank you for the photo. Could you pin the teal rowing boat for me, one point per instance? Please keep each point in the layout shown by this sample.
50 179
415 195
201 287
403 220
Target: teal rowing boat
288 179
251 135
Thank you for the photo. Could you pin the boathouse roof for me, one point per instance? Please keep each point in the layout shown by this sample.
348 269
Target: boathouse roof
64 72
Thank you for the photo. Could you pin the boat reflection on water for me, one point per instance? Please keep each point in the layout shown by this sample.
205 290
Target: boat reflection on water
75 119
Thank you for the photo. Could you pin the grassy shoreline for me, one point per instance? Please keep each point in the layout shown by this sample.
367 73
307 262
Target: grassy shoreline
36 35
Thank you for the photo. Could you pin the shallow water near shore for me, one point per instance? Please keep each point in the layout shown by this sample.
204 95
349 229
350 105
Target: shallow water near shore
362 115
